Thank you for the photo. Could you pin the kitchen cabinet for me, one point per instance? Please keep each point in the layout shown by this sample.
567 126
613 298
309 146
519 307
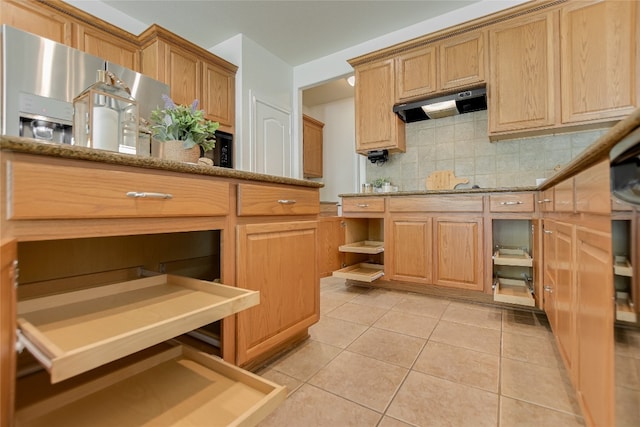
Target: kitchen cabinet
459 258
331 236
522 88
311 147
411 242
549 271
462 61
565 294
416 73
97 262
599 53
277 250
623 269
191 73
377 126
102 44
38 19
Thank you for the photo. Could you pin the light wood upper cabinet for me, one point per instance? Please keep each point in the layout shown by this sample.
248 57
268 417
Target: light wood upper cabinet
377 126
107 46
599 52
312 147
33 18
416 73
523 69
462 61
191 73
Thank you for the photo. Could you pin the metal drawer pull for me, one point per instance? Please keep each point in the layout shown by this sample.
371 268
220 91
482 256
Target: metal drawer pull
548 288
519 202
545 201
144 194
362 205
548 232
287 202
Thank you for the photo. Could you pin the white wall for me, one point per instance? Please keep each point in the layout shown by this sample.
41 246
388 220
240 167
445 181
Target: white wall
340 161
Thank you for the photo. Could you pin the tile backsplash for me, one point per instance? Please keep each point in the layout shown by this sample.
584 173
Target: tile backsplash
460 143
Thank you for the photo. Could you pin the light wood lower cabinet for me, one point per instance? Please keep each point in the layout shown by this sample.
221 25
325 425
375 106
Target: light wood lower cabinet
411 242
458 254
549 271
565 294
330 238
273 258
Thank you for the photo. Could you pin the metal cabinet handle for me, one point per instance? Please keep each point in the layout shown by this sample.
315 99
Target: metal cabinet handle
548 232
548 288
519 202
287 202
544 201
148 195
362 205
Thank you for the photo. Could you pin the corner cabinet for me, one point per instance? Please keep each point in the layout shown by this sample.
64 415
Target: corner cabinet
599 52
377 126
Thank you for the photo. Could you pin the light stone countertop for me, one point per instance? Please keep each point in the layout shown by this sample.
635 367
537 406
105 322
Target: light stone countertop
32 146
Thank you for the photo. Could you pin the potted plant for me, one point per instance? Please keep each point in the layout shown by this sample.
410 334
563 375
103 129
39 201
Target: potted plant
180 132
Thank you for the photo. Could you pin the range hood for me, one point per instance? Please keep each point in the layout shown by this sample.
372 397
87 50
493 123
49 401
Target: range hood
443 106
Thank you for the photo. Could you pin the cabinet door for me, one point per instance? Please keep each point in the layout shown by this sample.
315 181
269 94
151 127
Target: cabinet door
312 147
549 272
36 19
595 319
416 73
107 46
280 261
218 96
523 71
599 60
410 258
565 294
377 126
462 61
330 237
8 254
458 253
183 75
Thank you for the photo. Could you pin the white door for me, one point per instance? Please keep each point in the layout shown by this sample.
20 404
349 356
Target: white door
271 140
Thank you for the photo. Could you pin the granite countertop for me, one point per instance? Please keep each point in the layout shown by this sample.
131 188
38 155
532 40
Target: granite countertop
32 146
593 154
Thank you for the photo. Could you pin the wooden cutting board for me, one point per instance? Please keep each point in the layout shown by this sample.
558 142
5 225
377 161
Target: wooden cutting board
444 180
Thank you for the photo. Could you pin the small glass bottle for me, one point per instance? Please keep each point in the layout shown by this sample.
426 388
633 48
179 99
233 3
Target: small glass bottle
105 116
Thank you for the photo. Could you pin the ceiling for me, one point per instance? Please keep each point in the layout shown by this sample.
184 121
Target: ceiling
296 31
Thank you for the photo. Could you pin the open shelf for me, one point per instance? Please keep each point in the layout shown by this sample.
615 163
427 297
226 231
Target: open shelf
514 257
164 385
74 332
624 311
513 291
622 267
362 272
364 247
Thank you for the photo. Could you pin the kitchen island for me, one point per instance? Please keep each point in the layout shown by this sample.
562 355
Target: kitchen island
81 224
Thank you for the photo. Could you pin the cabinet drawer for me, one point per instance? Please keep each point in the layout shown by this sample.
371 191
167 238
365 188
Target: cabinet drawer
363 272
72 189
511 202
165 385
436 204
262 200
363 204
73 332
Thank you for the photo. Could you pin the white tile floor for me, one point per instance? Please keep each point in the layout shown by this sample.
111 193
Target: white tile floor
388 359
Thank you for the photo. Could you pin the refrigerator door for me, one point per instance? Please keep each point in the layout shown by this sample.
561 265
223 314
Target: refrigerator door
144 89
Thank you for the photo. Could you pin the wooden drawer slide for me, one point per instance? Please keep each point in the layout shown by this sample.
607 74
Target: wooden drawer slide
515 257
513 291
364 247
76 331
166 385
363 272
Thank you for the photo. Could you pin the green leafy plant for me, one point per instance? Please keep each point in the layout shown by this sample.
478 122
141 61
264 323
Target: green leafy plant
377 183
183 123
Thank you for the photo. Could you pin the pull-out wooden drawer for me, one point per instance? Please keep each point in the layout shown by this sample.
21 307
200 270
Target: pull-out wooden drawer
522 202
165 385
363 205
61 188
435 203
260 200
74 332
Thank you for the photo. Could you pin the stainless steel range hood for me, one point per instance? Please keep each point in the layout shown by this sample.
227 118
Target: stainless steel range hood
443 106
